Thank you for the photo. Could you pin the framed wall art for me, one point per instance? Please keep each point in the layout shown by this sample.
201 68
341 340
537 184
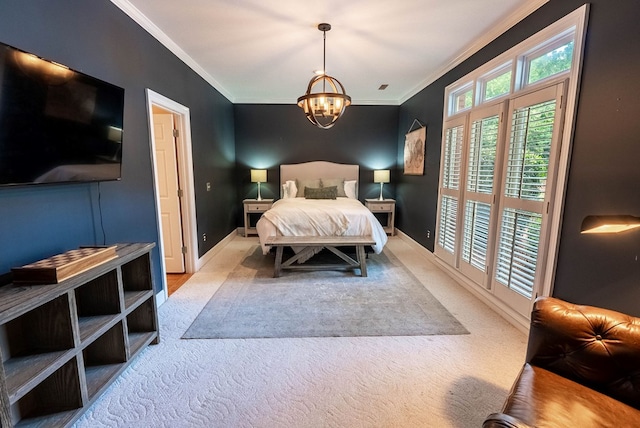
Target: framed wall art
414 149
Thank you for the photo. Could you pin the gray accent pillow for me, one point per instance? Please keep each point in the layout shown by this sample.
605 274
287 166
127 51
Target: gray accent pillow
301 184
320 192
337 182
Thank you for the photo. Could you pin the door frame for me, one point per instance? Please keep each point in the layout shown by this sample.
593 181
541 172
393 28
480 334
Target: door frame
185 174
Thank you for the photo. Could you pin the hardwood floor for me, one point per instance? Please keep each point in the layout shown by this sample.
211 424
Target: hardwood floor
175 281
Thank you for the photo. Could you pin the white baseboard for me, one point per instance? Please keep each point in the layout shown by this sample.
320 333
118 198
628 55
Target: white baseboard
161 297
215 250
514 318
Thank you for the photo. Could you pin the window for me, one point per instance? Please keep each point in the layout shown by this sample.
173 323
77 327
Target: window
480 181
527 168
461 100
482 176
447 232
503 162
518 251
550 63
475 243
482 154
533 137
450 187
497 83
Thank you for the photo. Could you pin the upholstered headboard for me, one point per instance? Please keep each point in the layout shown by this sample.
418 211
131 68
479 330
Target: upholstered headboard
318 169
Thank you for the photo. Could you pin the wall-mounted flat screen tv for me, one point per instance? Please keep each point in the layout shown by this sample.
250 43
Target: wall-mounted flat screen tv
57 125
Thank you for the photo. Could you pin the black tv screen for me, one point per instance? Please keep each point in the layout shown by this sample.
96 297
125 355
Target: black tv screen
56 124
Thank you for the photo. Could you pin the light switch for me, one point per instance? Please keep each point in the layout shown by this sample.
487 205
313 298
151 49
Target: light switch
208 186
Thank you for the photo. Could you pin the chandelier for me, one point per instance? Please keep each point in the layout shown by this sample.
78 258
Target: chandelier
325 99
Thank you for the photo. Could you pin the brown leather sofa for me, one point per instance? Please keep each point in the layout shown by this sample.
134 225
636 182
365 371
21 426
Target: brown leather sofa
582 370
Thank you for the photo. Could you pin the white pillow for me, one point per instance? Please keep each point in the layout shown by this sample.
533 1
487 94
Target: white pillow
289 189
350 188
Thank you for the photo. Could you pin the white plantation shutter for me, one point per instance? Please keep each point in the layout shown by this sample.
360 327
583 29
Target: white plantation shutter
482 154
531 133
447 229
475 244
452 157
534 134
450 190
477 223
493 196
518 250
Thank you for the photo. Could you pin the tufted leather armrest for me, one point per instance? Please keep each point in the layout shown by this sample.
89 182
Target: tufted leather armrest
596 347
501 420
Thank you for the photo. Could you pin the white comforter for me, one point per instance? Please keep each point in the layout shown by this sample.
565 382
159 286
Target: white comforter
320 217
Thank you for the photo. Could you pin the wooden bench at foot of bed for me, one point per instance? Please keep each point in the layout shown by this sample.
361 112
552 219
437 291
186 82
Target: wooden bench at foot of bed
311 243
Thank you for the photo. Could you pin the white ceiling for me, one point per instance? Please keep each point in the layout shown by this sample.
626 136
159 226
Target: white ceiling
261 51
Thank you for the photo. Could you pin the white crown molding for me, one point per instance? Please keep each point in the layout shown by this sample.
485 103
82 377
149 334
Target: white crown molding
142 20
511 20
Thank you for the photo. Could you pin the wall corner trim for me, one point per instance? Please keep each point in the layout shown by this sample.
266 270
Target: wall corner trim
141 19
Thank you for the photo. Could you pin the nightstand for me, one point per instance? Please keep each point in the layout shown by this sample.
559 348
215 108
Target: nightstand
385 206
254 206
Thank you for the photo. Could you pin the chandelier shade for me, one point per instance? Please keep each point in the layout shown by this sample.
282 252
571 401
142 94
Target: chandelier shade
325 100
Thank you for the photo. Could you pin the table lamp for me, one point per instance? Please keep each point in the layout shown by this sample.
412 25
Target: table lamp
259 176
381 176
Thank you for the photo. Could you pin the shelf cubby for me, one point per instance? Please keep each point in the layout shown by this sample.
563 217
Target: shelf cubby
62 345
104 358
35 344
141 324
136 274
59 393
98 305
47 328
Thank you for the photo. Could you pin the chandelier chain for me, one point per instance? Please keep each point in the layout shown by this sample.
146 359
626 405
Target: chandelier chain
324 58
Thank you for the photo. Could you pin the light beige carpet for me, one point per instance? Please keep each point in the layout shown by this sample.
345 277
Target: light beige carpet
418 381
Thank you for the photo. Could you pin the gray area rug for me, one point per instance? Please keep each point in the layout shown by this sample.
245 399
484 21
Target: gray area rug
389 302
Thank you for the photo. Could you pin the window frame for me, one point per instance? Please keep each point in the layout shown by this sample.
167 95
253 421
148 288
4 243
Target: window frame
539 51
453 95
572 26
495 73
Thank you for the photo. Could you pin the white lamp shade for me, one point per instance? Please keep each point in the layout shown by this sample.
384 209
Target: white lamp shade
258 175
381 176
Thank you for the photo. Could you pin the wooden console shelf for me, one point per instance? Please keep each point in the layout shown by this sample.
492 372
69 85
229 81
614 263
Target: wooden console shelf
62 345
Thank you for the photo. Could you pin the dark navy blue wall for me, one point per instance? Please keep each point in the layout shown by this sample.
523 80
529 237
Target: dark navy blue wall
596 270
270 135
97 38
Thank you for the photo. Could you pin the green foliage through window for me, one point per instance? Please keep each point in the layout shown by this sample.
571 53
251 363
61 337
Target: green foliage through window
554 62
462 100
500 85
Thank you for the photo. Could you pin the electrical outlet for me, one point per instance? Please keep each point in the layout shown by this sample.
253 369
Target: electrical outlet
204 237
428 234
208 186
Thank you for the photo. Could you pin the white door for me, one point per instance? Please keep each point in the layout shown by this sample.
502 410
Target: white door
169 191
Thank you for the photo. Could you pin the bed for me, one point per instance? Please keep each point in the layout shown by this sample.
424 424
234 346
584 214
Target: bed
322 212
